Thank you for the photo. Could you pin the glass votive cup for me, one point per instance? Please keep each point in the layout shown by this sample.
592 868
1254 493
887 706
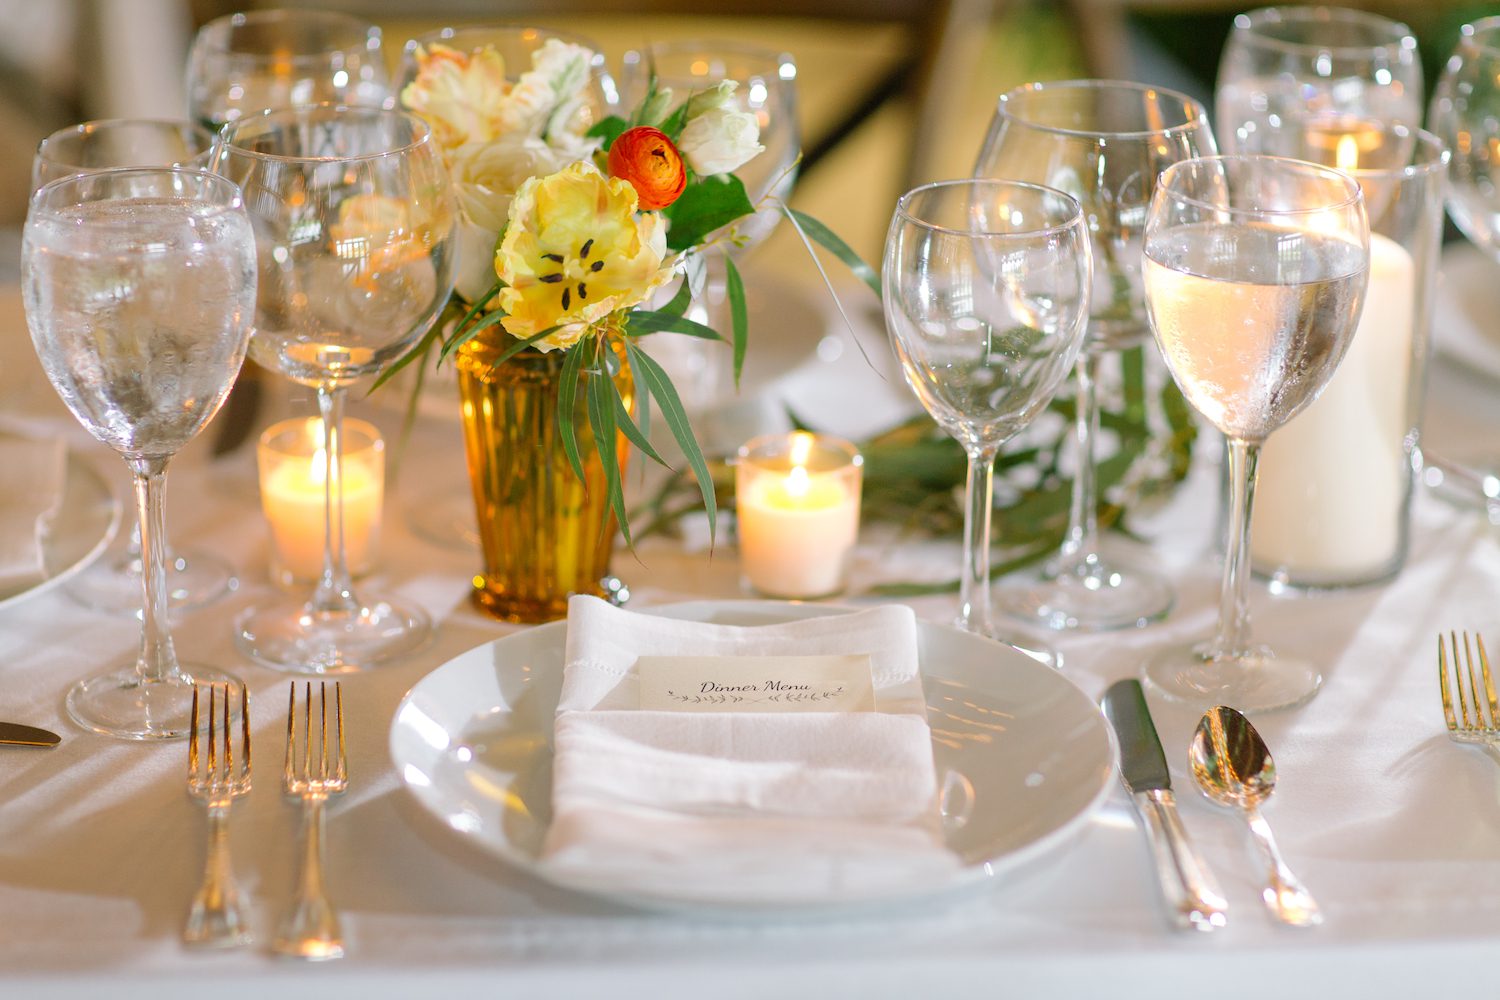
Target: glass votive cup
291 460
797 504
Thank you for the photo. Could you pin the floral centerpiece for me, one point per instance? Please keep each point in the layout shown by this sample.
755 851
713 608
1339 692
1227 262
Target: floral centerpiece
571 229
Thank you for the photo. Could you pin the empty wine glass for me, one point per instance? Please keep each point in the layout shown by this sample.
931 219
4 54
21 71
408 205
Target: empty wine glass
1255 275
244 63
1284 67
354 232
140 288
1104 142
767 88
1466 115
194 577
986 289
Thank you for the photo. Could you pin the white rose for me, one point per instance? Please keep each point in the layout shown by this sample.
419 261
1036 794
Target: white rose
720 95
474 260
720 141
486 175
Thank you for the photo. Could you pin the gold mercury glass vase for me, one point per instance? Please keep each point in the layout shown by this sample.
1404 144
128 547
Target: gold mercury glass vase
544 534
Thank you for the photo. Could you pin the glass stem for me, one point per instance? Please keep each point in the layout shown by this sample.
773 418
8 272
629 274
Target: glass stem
1233 637
158 659
974 592
1081 544
335 593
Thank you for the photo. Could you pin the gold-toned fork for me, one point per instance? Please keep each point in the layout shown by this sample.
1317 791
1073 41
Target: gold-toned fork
216 777
1471 711
311 930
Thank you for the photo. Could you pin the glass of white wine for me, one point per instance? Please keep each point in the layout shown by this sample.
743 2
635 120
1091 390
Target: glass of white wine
1255 276
140 289
354 227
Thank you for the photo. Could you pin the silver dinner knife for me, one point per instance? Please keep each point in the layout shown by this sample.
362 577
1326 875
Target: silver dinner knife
1193 899
15 734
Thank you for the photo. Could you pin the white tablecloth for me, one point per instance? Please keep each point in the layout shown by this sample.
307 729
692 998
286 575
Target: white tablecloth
1396 829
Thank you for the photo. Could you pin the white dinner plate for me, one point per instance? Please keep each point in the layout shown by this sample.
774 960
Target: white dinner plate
1030 751
1466 312
86 521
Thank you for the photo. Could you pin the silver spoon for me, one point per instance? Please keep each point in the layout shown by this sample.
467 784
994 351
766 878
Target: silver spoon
1234 768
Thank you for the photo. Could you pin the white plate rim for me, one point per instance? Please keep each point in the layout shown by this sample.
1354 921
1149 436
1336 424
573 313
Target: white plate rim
968 876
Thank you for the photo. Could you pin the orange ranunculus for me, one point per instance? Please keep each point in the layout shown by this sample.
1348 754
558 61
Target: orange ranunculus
646 158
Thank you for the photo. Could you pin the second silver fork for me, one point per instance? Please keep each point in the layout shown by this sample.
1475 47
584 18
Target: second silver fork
311 930
216 778
1471 711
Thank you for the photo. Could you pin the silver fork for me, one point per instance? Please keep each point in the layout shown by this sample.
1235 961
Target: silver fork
217 778
1476 720
311 930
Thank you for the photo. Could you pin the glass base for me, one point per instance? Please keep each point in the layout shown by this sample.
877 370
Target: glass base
289 635
446 520
194 579
1258 682
1090 597
120 704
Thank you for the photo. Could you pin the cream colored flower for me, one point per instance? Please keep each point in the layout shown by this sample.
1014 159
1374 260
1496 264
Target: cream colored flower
575 252
720 140
460 95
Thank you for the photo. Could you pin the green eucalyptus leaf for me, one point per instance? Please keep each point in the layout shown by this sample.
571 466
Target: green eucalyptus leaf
636 435
608 129
830 241
567 395
651 374
707 204
739 316
644 321
602 421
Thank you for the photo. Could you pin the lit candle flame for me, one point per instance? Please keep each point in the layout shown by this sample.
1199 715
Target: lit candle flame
801 451
1346 155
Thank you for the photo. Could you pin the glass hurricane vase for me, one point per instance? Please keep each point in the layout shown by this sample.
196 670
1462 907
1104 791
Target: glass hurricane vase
544 534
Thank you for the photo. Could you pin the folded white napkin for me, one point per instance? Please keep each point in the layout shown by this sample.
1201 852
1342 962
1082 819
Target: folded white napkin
755 807
31 487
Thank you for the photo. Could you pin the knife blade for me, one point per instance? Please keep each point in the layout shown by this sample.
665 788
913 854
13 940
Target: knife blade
15 734
1193 899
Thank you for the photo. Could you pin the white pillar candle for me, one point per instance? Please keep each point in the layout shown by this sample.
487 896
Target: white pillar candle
797 500
292 471
1332 480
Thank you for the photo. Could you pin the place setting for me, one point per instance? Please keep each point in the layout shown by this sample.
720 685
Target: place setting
699 659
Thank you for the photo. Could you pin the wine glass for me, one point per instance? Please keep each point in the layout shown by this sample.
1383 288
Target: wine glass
140 288
986 301
1104 142
1466 115
767 88
354 232
1255 276
244 63
445 516
194 578
1285 66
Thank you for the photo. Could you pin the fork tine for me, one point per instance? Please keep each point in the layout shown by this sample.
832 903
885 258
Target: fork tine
228 740
1458 681
323 732
1489 681
213 760
1448 715
342 773
1473 686
289 772
193 737
245 728
307 731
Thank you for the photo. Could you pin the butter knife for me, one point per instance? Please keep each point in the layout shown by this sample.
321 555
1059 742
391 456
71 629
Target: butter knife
15 734
1193 900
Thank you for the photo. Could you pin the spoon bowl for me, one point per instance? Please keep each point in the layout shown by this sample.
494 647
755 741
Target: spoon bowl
1233 767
